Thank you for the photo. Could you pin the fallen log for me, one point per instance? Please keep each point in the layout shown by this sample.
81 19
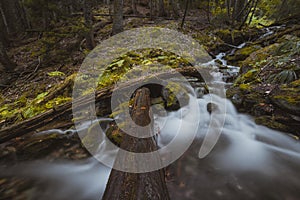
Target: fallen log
130 186
272 38
64 111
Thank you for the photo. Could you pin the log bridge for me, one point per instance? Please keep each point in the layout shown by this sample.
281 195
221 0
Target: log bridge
137 186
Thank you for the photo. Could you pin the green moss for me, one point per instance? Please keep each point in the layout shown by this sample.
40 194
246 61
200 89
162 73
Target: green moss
231 36
271 123
291 99
115 135
295 83
172 91
257 21
244 87
248 77
243 53
137 62
25 107
208 40
261 54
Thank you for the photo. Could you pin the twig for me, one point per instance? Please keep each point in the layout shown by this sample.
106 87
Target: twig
35 70
1 85
81 44
233 46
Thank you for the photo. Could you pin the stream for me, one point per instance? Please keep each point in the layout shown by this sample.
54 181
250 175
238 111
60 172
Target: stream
249 161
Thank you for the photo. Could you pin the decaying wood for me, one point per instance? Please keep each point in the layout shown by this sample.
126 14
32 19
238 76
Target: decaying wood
39 121
65 110
274 37
146 186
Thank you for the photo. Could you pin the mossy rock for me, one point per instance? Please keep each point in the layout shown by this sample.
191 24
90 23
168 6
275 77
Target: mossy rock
289 45
271 123
237 37
230 36
295 84
242 54
212 43
175 96
261 54
250 77
287 98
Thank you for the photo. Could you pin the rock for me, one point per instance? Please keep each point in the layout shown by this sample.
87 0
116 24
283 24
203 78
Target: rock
174 96
287 98
260 54
211 107
268 87
242 54
236 37
218 61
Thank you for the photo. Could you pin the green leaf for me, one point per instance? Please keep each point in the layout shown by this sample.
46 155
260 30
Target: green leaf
56 73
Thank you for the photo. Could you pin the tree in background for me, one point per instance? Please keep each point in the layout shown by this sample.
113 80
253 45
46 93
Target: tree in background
117 17
134 6
161 8
7 64
235 13
88 18
174 5
13 16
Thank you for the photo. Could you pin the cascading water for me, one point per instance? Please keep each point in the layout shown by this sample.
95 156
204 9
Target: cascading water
248 162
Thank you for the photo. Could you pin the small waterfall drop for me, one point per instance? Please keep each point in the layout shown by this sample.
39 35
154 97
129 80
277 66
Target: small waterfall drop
248 161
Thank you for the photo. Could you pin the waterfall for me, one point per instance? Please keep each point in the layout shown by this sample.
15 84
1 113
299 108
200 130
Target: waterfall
249 161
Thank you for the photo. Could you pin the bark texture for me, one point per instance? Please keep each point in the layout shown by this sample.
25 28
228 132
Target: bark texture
146 186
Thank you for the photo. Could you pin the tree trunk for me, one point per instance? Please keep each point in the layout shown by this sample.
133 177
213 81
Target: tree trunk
3 31
133 6
146 186
151 9
239 10
88 18
252 13
247 12
161 8
175 8
7 64
185 12
228 9
46 20
12 15
118 17
21 16
25 15
110 8
3 18
208 11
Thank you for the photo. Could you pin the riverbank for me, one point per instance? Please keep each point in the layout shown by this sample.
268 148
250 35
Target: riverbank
268 83
267 87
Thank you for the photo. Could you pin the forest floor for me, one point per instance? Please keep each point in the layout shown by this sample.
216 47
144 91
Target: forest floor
267 88
268 85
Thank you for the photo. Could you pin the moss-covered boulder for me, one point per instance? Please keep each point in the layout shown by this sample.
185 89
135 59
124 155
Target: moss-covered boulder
237 37
287 98
242 54
268 85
